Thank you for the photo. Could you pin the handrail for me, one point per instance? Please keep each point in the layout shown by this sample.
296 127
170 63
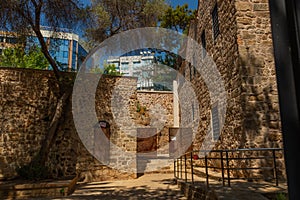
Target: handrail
225 168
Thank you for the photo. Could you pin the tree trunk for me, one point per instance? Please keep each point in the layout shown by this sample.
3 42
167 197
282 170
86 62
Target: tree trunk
57 119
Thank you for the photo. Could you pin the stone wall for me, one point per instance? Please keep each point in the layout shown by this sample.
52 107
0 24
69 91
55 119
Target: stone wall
243 54
28 100
160 107
258 88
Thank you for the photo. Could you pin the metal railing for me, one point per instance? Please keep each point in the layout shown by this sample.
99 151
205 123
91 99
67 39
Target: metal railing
187 164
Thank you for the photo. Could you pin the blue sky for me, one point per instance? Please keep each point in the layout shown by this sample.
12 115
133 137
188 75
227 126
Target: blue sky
192 3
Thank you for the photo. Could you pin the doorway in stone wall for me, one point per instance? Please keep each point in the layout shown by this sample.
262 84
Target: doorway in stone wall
101 143
147 142
146 148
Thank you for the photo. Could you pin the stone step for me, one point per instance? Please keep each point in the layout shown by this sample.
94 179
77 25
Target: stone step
154 165
42 189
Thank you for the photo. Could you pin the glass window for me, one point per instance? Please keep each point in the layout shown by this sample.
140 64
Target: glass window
125 66
11 40
66 42
215 122
65 54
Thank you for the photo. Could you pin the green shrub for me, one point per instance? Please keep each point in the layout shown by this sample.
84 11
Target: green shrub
281 196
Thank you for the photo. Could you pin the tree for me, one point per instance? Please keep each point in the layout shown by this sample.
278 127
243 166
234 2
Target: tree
178 18
109 69
17 57
25 17
114 16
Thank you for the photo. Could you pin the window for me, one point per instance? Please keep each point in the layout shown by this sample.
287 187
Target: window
66 42
215 122
65 54
193 112
1 39
215 21
125 66
203 44
11 40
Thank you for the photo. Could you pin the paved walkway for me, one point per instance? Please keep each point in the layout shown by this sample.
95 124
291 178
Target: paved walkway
150 186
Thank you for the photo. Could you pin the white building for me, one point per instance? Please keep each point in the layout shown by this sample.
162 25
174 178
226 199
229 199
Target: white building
141 66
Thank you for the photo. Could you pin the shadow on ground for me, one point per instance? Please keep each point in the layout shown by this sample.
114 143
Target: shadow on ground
154 189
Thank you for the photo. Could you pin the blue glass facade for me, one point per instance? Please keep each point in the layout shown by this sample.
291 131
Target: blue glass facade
63 47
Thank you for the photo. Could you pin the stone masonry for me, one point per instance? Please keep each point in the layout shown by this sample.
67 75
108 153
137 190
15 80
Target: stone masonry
28 100
243 54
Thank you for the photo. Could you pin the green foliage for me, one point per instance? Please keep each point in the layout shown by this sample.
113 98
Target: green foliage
281 196
17 57
62 191
178 18
109 69
113 17
25 17
140 109
97 70
33 172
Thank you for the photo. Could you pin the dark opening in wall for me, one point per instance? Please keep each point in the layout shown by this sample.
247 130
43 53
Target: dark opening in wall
215 21
203 44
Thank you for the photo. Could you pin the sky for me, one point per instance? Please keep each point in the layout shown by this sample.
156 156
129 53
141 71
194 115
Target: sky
192 3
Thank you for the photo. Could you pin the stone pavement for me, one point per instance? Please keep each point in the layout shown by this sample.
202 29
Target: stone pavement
149 186
239 190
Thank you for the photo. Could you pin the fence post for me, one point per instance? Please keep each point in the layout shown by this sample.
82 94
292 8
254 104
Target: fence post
181 167
275 167
228 171
206 171
175 168
185 168
192 169
222 166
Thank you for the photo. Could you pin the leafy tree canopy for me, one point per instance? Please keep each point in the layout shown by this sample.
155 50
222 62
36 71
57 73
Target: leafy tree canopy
178 18
17 57
109 69
26 16
114 16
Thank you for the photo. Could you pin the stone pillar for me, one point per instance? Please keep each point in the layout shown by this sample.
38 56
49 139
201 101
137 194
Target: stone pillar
175 104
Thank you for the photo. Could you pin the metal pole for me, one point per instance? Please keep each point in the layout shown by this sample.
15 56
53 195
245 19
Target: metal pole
275 167
285 20
206 171
192 169
228 170
175 168
181 167
185 168
222 166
